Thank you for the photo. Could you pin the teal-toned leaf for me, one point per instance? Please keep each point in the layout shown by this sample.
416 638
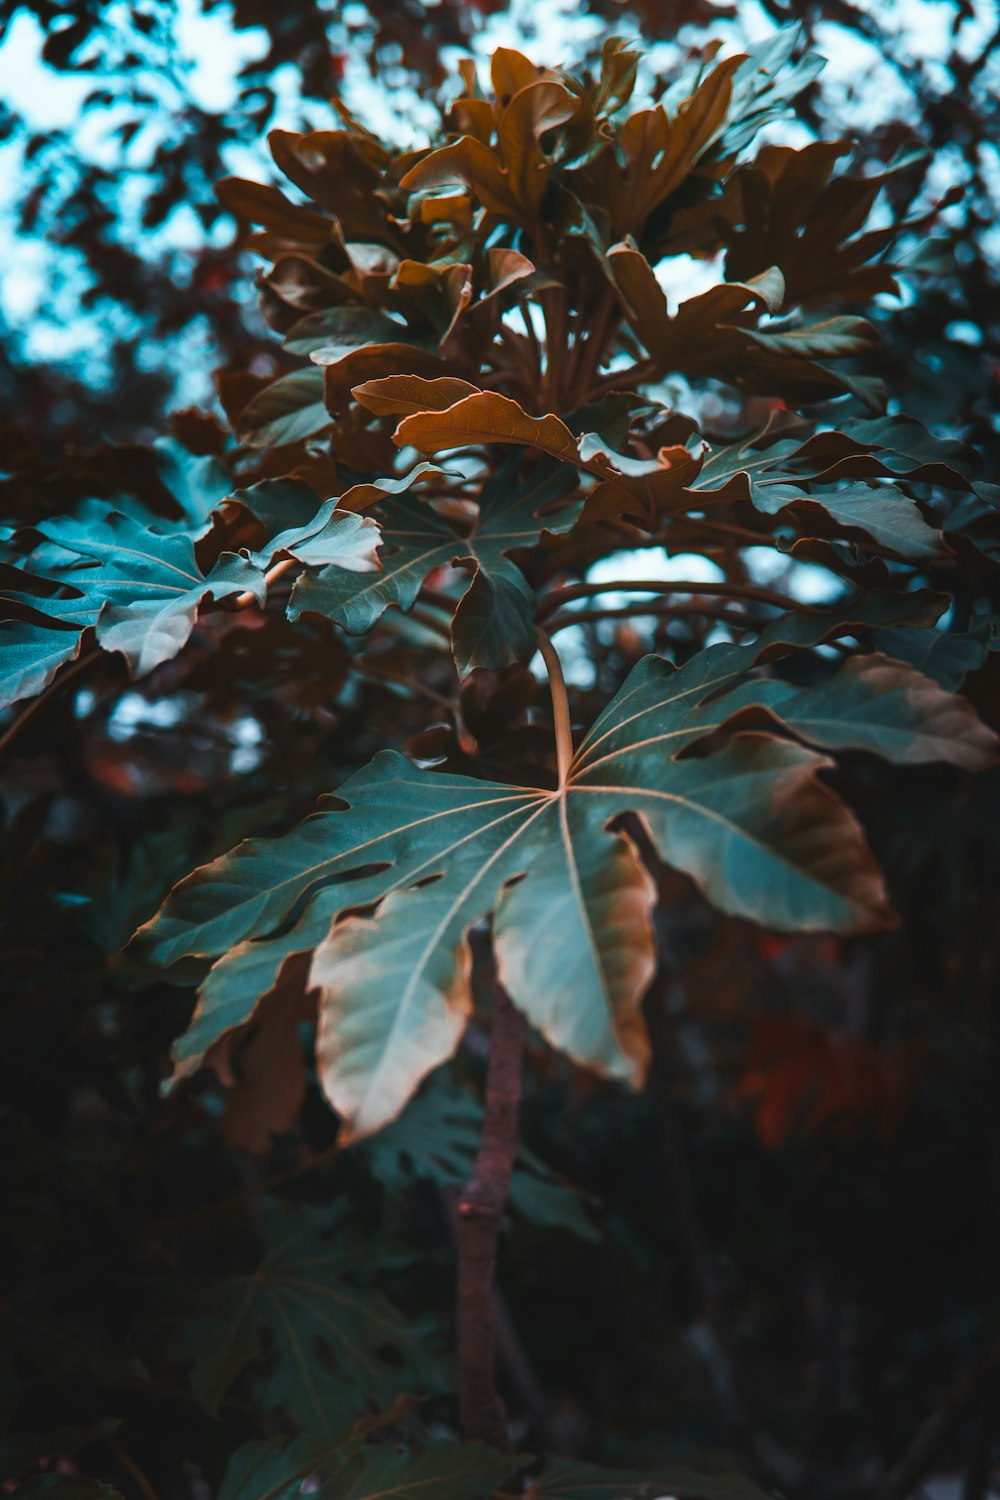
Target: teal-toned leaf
436 1139
30 657
883 706
946 655
272 1470
493 623
336 331
315 1338
809 474
148 586
140 587
289 410
415 541
751 823
878 511
153 619
764 85
717 332
331 535
198 483
437 1471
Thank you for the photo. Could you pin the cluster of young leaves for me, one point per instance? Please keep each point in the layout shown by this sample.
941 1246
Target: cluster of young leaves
495 302
936 98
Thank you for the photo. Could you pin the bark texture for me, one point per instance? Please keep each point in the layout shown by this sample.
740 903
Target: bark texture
482 1413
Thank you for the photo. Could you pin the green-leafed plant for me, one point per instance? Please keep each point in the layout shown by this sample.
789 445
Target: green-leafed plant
490 388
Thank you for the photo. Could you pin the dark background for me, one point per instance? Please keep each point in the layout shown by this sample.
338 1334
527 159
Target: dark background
799 1236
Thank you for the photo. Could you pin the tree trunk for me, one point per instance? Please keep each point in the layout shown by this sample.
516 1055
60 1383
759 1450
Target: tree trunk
482 1415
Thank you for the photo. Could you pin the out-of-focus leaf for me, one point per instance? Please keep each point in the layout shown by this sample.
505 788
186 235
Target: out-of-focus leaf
21 1451
436 1139
315 1339
289 410
565 1479
447 1471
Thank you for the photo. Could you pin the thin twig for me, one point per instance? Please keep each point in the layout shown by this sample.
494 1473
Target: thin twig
569 592
638 611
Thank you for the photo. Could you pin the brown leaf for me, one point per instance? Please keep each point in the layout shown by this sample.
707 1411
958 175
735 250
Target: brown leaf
402 395
511 71
263 1066
341 170
659 153
257 203
486 418
716 333
375 362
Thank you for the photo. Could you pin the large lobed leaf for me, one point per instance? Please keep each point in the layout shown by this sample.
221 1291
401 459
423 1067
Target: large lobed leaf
135 579
315 1340
751 822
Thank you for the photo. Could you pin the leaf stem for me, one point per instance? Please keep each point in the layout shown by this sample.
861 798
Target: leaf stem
560 706
133 1470
482 1416
248 597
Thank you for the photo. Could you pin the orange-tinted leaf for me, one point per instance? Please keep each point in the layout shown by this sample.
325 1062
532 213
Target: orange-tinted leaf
402 395
486 418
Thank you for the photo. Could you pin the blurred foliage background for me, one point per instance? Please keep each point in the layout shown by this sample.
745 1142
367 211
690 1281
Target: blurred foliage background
788 1248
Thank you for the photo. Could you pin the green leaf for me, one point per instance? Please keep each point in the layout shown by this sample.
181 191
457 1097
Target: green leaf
883 706
331 535
716 334
565 1479
289 410
809 475
493 625
147 586
438 1471
946 655
197 483
329 1340
436 1139
272 1471
141 587
30 657
336 331
878 511
751 823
